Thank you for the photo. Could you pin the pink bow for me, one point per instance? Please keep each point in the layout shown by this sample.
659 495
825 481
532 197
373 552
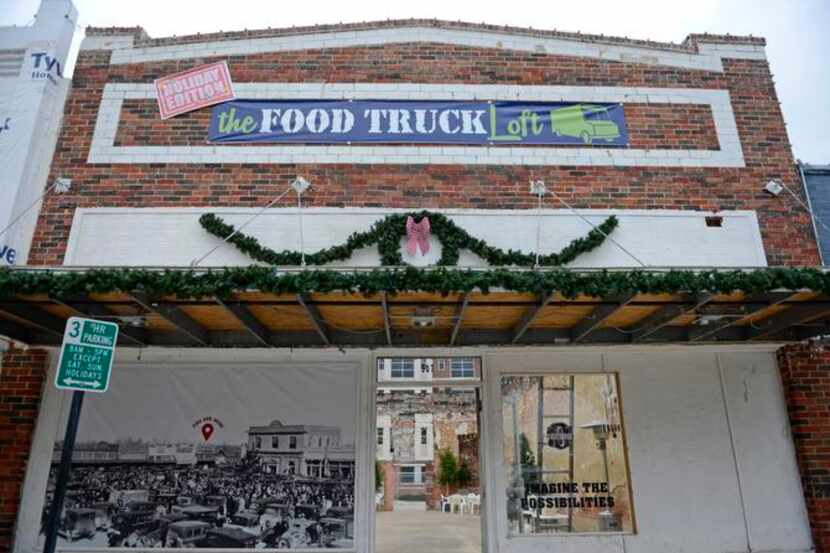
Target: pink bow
417 235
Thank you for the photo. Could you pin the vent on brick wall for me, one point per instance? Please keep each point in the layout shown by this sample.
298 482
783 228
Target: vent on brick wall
11 61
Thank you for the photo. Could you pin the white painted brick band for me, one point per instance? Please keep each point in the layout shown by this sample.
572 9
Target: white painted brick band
106 42
709 58
730 153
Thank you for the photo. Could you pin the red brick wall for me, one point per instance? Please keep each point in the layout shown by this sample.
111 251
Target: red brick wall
805 372
21 383
785 226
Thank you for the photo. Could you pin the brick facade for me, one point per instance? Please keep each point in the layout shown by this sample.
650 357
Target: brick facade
785 226
805 372
21 381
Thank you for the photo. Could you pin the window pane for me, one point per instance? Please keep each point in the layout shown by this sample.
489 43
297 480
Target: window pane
564 455
462 367
402 368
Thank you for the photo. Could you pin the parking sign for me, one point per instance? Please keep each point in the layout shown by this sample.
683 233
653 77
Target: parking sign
86 355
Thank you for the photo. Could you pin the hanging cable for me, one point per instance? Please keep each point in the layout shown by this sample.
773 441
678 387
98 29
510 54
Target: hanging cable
25 211
538 227
300 217
596 228
7 153
196 262
804 205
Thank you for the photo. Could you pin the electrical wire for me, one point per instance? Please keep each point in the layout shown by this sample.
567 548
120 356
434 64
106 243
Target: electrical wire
596 228
805 206
196 262
9 149
539 227
300 218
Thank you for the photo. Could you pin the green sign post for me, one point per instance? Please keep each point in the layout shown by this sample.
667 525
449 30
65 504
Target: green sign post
84 366
86 356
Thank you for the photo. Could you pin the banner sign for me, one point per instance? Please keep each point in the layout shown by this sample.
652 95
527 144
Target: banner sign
228 456
193 89
408 122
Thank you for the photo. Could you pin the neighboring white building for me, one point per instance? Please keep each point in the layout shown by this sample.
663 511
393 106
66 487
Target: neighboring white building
33 90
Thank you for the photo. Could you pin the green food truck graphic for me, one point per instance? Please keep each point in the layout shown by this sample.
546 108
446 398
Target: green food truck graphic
587 122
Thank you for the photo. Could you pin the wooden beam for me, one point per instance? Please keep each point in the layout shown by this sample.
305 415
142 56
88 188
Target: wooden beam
583 329
747 309
247 319
16 332
528 318
794 315
83 305
459 317
403 338
174 316
387 324
316 319
38 318
665 315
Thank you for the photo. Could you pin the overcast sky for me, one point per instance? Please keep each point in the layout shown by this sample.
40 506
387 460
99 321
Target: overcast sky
798 41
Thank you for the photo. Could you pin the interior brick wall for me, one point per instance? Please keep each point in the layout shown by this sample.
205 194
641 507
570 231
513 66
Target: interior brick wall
805 373
21 381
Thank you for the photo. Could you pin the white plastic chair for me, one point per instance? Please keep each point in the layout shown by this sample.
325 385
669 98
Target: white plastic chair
445 504
474 503
456 504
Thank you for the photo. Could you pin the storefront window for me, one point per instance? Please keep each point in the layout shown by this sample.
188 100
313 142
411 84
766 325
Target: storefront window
564 455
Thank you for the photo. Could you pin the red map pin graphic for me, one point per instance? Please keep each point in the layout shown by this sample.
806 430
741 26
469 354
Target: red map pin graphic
207 431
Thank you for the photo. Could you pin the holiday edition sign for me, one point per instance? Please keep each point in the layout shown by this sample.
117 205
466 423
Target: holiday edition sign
406 122
193 89
86 355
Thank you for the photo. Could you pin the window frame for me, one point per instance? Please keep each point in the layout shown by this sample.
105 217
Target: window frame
462 369
406 366
499 480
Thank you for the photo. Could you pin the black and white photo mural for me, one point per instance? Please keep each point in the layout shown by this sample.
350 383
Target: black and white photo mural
212 456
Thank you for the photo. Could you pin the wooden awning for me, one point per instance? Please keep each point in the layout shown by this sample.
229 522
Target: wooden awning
35 303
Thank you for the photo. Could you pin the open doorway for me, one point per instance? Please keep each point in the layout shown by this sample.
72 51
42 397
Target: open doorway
428 492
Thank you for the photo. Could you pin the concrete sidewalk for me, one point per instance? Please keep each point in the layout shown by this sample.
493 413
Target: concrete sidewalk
427 532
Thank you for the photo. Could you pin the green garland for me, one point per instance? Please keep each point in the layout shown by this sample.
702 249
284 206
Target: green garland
189 283
387 234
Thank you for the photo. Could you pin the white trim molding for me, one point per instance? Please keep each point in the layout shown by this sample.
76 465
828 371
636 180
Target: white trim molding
709 57
107 42
730 154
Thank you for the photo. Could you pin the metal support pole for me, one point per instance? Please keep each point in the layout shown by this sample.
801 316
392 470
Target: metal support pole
63 473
